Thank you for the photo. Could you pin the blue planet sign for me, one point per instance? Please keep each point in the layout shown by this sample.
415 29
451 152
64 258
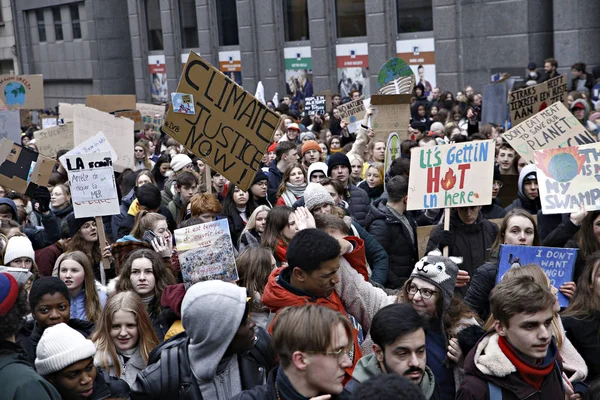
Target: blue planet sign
22 91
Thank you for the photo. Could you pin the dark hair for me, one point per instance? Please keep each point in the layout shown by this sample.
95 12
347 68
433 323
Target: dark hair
229 207
126 181
186 178
164 158
8 209
515 212
585 303
330 221
282 148
12 321
397 188
586 240
277 219
388 386
478 136
399 167
322 248
149 196
16 195
190 222
552 62
406 145
394 321
337 185
46 285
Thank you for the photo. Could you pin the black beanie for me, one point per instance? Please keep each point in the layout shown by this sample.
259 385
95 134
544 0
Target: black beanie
260 176
46 285
497 174
76 223
337 159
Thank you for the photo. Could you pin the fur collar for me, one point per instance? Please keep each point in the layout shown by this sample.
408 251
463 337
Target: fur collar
490 359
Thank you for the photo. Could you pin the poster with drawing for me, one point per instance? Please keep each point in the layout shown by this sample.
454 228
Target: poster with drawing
352 61
419 54
230 63
298 73
158 79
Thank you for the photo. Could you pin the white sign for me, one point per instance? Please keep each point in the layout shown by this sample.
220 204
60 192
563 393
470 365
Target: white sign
96 144
48 123
10 125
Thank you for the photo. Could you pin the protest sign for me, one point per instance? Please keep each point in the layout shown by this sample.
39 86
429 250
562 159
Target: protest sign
22 169
119 131
230 129
22 91
135 116
111 102
206 253
50 141
96 144
551 128
152 114
26 118
49 122
452 175
93 187
558 263
66 111
528 101
568 178
352 111
315 105
10 125
393 116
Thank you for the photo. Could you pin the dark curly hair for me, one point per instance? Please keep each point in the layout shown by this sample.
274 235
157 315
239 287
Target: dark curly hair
10 323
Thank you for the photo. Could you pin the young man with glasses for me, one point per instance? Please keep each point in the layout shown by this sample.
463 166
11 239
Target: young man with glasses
495 209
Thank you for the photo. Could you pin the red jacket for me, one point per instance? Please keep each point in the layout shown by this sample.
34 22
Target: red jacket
46 258
358 257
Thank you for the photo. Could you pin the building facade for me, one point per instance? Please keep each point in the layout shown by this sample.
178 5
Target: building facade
8 49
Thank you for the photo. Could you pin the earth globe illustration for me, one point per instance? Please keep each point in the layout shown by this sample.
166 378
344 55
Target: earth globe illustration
394 68
14 93
563 167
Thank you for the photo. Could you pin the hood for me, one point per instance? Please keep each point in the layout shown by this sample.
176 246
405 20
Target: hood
128 198
366 368
208 342
585 104
378 210
172 298
524 172
4 200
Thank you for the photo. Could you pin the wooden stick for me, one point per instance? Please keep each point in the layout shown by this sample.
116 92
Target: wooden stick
446 228
207 178
102 241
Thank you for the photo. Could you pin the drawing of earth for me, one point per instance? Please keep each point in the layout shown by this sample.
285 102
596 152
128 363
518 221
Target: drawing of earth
563 167
14 93
393 68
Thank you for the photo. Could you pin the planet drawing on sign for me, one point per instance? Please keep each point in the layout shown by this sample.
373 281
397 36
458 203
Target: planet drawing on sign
562 165
14 93
391 70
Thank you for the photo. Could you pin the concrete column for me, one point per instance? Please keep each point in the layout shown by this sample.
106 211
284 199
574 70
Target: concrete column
321 23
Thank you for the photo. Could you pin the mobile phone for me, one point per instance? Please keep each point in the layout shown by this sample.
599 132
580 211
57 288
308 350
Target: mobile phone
149 236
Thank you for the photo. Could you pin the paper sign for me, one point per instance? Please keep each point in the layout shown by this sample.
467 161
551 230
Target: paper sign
315 105
152 114
557 263
49 122
452 175
15 168
206 253
549 129
96 144
88 122
50 141
135 116
230 129
66 111
352 111
92 182
569 178
393 116
112 102
10 125
524 103
22 91
184 103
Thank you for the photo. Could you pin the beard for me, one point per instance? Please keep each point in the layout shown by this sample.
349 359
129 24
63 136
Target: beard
410 370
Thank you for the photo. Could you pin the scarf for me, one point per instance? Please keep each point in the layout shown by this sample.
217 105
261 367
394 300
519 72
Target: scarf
374 193
281 251
293 193
533 375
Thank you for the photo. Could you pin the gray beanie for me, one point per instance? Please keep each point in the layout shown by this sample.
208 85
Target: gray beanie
316 195
440 271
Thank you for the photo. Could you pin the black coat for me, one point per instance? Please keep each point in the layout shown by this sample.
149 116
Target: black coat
359 203
395 239
583 334
482 283
493 211
275 178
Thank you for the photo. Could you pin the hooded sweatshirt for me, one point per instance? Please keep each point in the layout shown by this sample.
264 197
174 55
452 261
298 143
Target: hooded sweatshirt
532 206
589 125
218 377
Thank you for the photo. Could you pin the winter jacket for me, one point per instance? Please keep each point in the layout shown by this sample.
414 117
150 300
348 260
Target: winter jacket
236 226
492 211
117 219
589 82
377 257
249 238
395 239
482 283
129 369
177 208
583 334
471 242
275 178
359 203
574 365
78 304
125 220
168 191
61 215
18 379
531 206
46 258
488 363
48 234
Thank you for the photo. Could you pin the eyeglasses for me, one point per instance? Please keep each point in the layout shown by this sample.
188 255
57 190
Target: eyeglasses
498 183
339 354
139 150
425 293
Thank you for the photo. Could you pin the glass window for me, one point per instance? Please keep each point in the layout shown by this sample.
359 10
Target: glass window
189 24
75 22
227 22
155 37
295 17
351 18
415 16
58 31
39 14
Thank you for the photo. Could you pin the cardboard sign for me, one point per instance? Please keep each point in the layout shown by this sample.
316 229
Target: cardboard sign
549 129
526 102
393 116
557 263
206 252
22 169
66 111
26 118
96 144
315 105
22 91
88 122
152 114
352 111
568 178
92 182
230 129
452 175
135 116
10 125
112 102
50 141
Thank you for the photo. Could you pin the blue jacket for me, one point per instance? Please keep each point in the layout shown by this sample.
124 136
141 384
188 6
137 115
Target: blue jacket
78 304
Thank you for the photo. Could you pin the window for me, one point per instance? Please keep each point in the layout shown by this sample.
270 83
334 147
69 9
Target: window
189 24
155 37
351 18
295 17
39 14
227 22
75 22
415 16
58 31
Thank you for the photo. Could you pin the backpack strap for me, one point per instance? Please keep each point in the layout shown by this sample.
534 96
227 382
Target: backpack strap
495 391
169 372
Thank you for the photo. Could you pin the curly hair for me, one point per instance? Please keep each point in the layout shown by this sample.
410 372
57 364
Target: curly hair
203 203
11 322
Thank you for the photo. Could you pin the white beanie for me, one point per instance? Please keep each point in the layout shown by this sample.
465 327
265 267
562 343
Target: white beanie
180 161
17 247
318 166
60 347
316 195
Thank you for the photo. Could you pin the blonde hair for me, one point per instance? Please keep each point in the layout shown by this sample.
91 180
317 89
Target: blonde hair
144 221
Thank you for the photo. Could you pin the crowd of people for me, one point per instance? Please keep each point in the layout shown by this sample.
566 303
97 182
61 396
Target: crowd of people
333 300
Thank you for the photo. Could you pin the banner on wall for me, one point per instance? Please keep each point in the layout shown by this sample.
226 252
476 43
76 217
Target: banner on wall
419 53
352 62
158 77
298 73
230 63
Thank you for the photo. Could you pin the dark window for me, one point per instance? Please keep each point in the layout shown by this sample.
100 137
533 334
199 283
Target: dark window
227 22
58 31
415 16
295 17
155 37
189 24
351 18
39 14
75 22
